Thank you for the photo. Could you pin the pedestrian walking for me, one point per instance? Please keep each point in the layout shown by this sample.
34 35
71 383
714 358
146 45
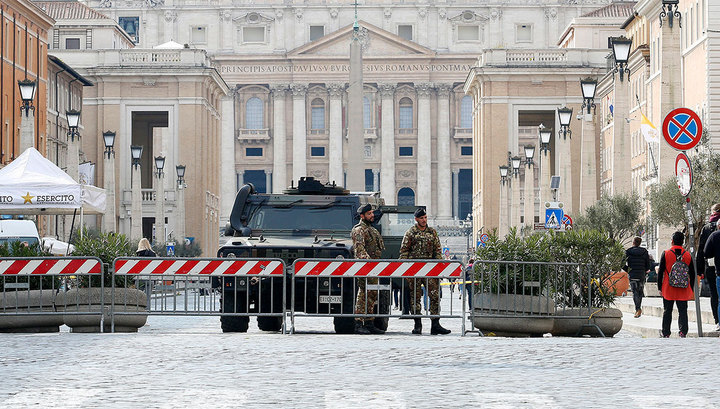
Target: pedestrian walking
144 249
367 244
706 263
468 281
637 265
676 280
422 242
711 251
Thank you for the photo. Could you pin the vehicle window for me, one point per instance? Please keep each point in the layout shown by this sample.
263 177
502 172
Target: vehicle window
29 240
296 217
396 224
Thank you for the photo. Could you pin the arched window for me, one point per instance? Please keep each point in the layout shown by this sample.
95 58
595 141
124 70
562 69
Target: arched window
406 113
466 112
367 113
406 197
317 114
254 113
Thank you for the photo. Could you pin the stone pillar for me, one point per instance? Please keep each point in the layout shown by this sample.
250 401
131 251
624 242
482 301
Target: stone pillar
180 217
356 131
444 177
544 182
268 180
455 193
27 131
227 35
564 166
387 139
376 180
279 138
621 177
160 209
299 148
335 142
529 195
424 148
228 143
73 169
109 185
588 175
170 19
279 28
503 224
515 201
136 205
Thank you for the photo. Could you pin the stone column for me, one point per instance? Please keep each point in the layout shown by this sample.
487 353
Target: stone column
268 180
387 139
444 177
335 142
529 195
160 209
180 218
136 205
279 27
279 138
27 131
424 155
356 131
226 38
588 175
503 224
455 193
621 177
73 169
376 180
170 19
544 182
228 144
564 166
109 185
515 201
299 148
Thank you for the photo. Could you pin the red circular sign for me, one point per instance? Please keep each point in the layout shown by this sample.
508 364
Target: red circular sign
682 129
683 174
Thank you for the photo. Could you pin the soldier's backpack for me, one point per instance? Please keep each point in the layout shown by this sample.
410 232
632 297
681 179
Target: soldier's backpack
679 276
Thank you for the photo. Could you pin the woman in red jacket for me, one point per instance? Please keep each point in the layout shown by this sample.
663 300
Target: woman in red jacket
675 295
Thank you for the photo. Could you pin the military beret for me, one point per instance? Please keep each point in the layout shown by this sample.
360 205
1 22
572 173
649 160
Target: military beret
420 212
364 208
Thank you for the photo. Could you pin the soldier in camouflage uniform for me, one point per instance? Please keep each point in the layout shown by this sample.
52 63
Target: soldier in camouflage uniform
422 242
367 244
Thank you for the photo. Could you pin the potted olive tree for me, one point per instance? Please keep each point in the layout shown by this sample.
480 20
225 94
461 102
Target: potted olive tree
88 295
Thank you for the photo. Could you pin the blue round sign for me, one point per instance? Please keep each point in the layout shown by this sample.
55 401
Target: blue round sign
682 129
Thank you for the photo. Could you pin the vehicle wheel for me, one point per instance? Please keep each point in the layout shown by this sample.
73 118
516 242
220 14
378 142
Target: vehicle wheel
381 323
234 324
383 307
344 325
273 324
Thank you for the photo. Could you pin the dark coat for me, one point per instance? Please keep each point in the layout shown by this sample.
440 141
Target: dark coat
145 253
667 259
712 247
637 262
703 267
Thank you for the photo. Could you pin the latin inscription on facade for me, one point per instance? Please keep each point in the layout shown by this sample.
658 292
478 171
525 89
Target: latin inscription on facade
324 68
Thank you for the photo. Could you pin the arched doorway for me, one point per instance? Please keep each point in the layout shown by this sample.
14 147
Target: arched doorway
406 197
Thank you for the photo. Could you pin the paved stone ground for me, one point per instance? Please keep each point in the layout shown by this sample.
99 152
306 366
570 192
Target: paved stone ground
187 362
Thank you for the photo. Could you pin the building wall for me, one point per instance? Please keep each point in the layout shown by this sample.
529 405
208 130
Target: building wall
24 44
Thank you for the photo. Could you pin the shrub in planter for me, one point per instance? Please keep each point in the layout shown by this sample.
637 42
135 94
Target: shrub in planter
18 249
106 247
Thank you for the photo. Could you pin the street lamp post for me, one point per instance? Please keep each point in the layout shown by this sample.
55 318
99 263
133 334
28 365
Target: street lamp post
159 200
588 183
27 121
180 219
515 162
667 11
136 206
544 179
109 181
621 54
621 180
529 186
563 155
504 181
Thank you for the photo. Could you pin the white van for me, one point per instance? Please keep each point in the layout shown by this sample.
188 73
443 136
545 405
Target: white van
18 230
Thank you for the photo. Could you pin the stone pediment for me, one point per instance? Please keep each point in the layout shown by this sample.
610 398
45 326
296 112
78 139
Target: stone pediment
378 43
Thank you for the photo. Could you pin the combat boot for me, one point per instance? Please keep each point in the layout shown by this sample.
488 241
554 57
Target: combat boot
373 329
360 328
437 329
417 330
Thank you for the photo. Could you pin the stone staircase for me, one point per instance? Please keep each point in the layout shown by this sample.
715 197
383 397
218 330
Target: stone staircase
649 324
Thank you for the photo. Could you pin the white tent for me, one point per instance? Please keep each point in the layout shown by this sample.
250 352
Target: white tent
31 184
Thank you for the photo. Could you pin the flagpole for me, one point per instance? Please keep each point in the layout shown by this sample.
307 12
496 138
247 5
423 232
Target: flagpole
652 157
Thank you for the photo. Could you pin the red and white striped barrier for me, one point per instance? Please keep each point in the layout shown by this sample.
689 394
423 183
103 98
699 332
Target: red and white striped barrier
358 268
25 267
212 267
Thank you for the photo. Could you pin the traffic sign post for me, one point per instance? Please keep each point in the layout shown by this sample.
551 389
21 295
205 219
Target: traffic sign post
682 129
553 218
683 174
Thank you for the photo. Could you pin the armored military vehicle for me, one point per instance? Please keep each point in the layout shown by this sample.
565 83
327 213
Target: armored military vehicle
312 220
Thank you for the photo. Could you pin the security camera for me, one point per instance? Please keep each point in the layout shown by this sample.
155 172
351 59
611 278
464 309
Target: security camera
579 117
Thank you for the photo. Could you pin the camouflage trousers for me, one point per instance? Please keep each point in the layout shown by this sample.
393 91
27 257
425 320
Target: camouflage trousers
432 286
365 303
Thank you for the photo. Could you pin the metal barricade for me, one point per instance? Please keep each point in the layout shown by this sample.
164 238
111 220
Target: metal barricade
233 289
505 291
349 289
40 292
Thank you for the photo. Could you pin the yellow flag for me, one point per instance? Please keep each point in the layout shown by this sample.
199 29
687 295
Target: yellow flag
648 130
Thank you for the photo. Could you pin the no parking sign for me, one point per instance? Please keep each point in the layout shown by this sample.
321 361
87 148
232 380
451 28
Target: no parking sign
682 129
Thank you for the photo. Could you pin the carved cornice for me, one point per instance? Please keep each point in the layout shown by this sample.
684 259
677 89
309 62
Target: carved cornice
424 90
335 89
298 90
386 90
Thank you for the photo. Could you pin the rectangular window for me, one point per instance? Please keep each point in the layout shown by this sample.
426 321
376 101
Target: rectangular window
253 34
72 43
317 117
406 117
468 33
197 34
466 150
317 151
405 31
369 180
405 151
253 151
316 32
523 33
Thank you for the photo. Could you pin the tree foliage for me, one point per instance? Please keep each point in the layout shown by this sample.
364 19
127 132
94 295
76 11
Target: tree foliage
106 247
619 216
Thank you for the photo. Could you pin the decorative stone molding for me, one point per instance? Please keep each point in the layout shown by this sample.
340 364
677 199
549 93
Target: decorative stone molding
154 3
406 174
468 16
170 16
424 90
496 14
551 13
279 90
363 36
443 90
299 14
298 90
318 174
442 13
106 3
253 18
333 13
422 12
335 89
386 90
149 82
387 12
279 14
225 15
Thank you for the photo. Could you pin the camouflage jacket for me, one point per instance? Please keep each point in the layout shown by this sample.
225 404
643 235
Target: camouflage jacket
419 244
367 241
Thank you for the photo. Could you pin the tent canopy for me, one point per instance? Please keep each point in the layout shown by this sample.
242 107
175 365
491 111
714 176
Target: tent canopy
31 184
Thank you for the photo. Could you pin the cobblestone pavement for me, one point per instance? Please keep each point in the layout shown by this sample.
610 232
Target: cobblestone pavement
187 362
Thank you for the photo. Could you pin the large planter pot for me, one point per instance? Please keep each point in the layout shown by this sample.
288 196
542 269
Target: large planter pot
88 300
20 307
569 322
512 314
